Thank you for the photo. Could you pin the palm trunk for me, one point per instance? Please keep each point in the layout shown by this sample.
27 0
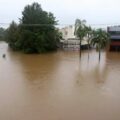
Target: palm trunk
80 49
99 54
88 49
99 48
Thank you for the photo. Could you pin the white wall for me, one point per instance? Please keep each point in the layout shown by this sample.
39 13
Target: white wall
68 32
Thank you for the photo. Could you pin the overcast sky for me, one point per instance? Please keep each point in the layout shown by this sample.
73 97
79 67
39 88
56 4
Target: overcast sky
66 11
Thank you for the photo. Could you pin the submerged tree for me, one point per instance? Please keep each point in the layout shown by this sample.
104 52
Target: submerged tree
80 30
12 35
100 40
89 35
2 34
36 32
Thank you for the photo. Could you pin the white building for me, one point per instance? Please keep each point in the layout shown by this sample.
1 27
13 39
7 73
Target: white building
70 40
68 32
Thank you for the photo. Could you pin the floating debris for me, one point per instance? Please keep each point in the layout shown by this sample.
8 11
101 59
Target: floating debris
4 55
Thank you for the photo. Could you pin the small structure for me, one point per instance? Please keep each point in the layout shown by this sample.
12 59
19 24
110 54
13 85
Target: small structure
68 32
70 41
74 44
114 32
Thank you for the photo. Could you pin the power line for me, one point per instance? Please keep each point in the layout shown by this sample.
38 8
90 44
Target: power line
107 24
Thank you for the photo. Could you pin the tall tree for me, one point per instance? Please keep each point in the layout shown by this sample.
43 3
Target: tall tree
89 36
36 32
100 40
12 35
80 30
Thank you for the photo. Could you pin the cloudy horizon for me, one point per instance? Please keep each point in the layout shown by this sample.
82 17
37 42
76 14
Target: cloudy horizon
96 12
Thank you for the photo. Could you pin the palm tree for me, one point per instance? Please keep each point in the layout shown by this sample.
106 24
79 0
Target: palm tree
89 35
100 40
80 30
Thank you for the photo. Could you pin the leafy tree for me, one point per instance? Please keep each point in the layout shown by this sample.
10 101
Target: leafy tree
12 35
2 34
36 32
100 40
80 30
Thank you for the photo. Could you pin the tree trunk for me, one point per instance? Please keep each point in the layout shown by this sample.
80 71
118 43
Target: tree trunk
88 49
80 49
99 54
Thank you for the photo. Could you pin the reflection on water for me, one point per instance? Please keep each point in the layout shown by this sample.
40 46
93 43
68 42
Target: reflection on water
58 86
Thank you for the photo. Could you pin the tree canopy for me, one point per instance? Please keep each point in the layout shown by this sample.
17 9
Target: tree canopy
36 31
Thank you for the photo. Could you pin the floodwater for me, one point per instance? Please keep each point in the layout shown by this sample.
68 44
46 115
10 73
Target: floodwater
59 86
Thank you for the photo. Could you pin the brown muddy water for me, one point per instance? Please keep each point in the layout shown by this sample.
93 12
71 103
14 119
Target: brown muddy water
58 86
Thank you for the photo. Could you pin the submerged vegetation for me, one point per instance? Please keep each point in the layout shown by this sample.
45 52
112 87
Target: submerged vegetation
98 38
36 32
2 34
80 30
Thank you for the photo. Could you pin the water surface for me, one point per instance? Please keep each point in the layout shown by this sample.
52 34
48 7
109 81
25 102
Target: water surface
59 86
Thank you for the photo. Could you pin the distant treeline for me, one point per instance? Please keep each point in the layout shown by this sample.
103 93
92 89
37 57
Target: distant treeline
35 33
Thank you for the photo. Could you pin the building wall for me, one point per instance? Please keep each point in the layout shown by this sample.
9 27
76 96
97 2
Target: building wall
115 38
114 28
70 40
68 32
